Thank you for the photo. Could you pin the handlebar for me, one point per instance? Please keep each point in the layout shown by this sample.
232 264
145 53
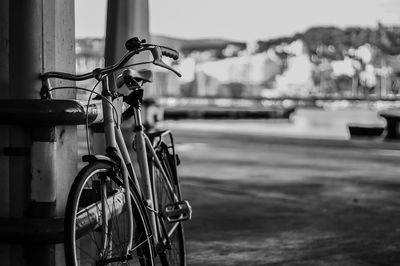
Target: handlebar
134 46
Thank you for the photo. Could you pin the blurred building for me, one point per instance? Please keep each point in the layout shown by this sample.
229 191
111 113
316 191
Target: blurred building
286 67
89 54
244 75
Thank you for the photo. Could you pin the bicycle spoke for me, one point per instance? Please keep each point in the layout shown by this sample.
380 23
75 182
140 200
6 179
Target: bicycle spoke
116 223
88 249
171 236
88 254
91 234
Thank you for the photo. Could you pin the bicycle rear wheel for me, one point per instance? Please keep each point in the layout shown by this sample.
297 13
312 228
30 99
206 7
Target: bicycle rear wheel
96 221
171 246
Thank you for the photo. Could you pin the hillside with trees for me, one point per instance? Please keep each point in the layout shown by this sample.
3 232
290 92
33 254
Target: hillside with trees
342 39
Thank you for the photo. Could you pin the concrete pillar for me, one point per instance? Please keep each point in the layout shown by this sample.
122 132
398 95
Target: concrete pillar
125 19
66 149
36 36
4 130
25 25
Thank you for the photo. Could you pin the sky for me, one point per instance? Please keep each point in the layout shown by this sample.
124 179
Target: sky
245 20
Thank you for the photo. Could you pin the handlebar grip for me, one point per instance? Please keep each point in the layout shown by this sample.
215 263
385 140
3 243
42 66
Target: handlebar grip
168 52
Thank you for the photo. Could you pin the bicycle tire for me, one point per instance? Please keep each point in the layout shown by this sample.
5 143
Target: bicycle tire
82 246
175 253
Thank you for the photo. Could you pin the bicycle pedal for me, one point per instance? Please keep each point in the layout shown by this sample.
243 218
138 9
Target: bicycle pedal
178 211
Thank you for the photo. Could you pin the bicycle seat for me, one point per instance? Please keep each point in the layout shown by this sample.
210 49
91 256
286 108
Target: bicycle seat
129 75
144 75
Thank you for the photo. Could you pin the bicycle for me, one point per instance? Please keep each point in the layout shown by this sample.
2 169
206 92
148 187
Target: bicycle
114 216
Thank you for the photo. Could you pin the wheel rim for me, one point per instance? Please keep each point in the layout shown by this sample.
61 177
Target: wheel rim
92 246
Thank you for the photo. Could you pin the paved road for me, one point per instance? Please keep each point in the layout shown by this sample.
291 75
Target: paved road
273 201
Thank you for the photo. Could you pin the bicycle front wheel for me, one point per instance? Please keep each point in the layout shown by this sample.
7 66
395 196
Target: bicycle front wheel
97 222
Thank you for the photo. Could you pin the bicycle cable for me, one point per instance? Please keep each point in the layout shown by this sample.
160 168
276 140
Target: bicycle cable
87 115
136 64
92 91
116 119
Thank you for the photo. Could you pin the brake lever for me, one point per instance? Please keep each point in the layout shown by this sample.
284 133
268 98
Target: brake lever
161 63
157 54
